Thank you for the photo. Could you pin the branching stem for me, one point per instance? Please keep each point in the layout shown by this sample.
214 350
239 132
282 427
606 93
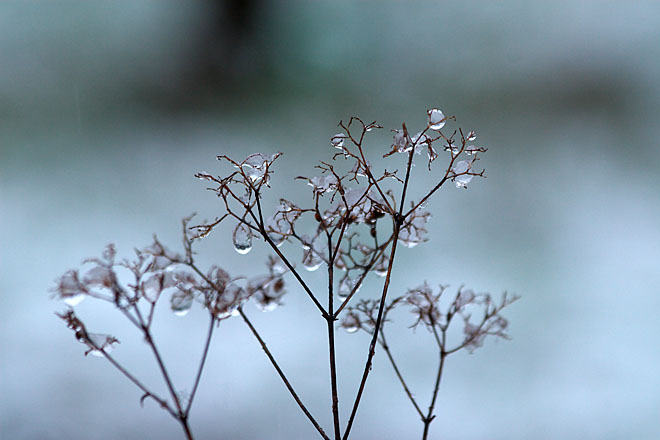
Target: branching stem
205 352
372 346
386 348
282 375
331 343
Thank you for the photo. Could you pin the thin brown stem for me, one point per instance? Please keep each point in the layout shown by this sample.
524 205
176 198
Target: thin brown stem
372 345
362 277
147 393
186 428
282 375
331 344
407 179
383 343
164 373
443 355
178 415
262 230
163 370
427 196
370 176
205 352
398 220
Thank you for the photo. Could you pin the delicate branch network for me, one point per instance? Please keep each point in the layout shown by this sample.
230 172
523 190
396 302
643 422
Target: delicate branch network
358 217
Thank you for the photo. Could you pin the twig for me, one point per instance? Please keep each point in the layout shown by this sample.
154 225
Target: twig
209 335
372 347
260 222
147 393
330 319
383 343
429 416
282 375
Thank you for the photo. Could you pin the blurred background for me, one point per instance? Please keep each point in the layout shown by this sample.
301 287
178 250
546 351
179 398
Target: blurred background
107 109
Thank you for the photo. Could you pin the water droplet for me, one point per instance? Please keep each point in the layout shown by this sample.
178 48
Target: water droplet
351 322
346 286
311 261
471 149
255 167
340 264
181 302
352 329
400 141
245 198
337 140
286 206
460 168
242 239
278 228
267 306
471 136
380 268
453 148
276 238
437 119
276 265
323 184
103 342
73 300
418 141
226 304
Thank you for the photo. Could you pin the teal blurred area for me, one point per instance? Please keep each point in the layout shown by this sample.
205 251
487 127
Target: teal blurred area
107 109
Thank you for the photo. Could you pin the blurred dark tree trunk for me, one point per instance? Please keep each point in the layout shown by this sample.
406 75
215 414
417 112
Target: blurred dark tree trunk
228 47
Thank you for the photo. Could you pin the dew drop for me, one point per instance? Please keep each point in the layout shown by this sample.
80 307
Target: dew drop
453 148
311 261
277 238
104 342
267 306
462 181
242 239
232 311
73 300
337 140
460 168
181 312
471 149
181 303
352 329
340 264
286 206
351 323
277 266
380 268
409 244
346 286
437 119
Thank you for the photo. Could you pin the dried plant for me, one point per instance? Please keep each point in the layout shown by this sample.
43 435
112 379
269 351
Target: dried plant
359 217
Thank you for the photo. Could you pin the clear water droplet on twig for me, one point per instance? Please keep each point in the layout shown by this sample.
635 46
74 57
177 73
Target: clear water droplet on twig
242 239
437 119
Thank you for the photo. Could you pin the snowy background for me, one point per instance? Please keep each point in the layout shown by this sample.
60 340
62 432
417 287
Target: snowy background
108 109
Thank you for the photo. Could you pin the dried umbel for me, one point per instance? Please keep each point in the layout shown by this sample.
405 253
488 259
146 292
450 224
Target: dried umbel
357 214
